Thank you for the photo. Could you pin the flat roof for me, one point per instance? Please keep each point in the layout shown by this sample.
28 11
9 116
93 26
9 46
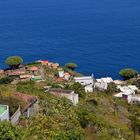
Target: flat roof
83 78
2 110
60 90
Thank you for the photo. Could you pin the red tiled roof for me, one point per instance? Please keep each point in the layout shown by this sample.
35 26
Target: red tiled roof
34 68
67 74
16 72
60 79
44 62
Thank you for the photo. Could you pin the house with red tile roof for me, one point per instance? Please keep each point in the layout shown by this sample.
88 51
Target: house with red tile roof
15 72
67 76
44 62
53 65
33 68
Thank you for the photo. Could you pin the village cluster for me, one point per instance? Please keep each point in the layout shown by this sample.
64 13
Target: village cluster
37 74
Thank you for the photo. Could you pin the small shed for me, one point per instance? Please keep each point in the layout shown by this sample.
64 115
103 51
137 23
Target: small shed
29 104
69 94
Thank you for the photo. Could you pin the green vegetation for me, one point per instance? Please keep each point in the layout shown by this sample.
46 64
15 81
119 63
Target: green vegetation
9 131
57 117
128 73
14 61
6 80
78 88
73 73
111 89
98 116
135 120
33 64
71 66
9 100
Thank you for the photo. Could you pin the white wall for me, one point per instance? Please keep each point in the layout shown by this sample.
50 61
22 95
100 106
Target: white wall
16 116
84 80
101 85
88 89
74 98
61 74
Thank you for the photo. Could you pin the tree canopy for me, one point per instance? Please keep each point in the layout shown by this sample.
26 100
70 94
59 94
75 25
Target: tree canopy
71 66
128 73
14 61
78 88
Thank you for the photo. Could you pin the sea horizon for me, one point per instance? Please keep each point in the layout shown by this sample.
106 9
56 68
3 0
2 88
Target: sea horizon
101 37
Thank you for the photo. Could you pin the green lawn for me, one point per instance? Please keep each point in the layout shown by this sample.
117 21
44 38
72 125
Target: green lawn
2 109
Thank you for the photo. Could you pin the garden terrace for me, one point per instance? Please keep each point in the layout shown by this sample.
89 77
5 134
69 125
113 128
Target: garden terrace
27 100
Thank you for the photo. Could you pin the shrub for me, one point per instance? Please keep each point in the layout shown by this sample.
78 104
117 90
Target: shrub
33 63
14 61
92 102
78 88
112 88
128 73
9 131
6 80
71 66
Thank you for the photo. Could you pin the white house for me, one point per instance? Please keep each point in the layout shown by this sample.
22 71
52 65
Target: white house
102 83
126 95
119 82
61 72
85 80
127 92
128 89
135 100
69 94
4 112
89 88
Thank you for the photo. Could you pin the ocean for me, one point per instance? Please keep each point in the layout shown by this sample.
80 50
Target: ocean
102 37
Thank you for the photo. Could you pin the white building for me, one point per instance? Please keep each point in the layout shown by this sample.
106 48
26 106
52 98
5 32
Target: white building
4 112
61 72
128 89
127 92
85 80
135 100
69 94
102 83
119 82
30 101
89 88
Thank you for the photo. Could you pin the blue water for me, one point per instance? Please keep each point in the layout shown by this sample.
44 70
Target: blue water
101 36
